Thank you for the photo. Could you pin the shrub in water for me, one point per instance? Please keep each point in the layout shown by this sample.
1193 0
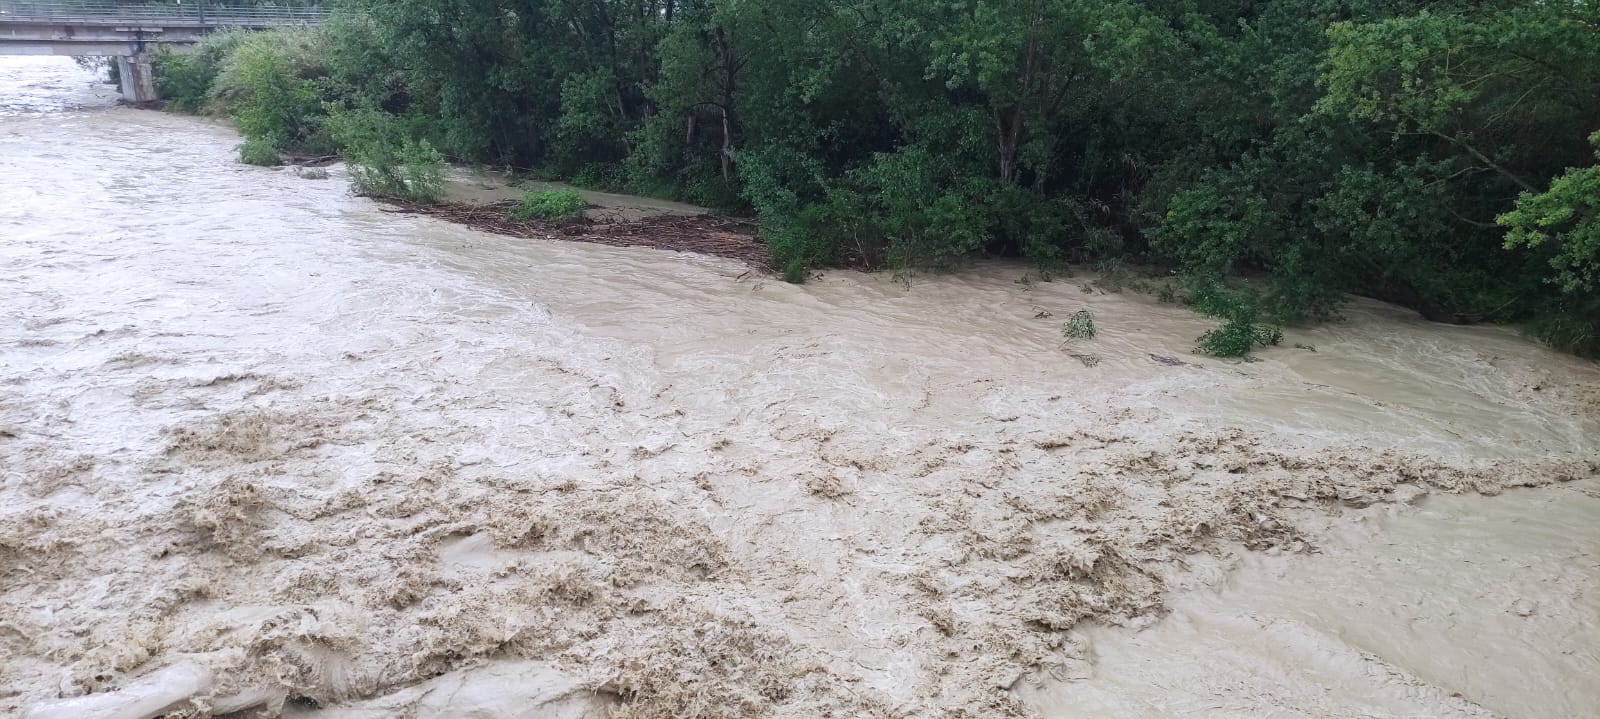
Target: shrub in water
383 163
794 272
1079 326
271 84
558 206
1239 307
258 151
413 171
1237 336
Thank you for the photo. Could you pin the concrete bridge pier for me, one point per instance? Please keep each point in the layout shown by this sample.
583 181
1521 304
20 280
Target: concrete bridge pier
127 30
138 78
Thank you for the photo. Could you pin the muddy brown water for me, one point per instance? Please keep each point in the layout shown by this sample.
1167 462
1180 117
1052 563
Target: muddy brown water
267 450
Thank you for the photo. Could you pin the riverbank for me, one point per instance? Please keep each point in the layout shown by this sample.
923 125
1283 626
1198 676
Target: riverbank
891 140
267 445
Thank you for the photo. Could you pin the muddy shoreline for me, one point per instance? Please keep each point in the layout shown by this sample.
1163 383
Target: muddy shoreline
706 234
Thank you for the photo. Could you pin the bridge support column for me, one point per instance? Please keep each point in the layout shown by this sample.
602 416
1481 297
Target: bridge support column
138 78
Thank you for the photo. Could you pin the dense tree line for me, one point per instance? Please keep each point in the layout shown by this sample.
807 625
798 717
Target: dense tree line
1441 155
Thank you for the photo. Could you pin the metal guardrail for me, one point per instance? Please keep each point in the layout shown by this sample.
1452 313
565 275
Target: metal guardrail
193 13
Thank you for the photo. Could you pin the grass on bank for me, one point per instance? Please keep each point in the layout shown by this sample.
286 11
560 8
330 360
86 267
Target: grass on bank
553 206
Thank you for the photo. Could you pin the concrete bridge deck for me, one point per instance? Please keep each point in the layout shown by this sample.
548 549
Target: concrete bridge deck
128 31
192 14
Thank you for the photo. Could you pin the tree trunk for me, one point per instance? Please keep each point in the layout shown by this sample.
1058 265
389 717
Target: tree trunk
1009 135
730 71
727 146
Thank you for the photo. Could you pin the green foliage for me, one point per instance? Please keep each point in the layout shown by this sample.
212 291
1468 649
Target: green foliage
557 206
271 83
1079 326
1240 310
383 161
105 67
1236 338
256 151
1572 325
185 79
1568 217
794 272
1495 104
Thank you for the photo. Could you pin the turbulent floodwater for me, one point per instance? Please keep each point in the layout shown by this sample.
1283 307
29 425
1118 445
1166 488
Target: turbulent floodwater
269 450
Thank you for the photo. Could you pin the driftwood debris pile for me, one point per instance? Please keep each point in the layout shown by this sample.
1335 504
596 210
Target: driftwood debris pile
704 234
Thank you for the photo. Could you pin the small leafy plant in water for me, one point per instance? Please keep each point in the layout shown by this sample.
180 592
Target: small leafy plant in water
1243 328
1237 336
384 161
412 171
1080 326
794 272
256 151
557 206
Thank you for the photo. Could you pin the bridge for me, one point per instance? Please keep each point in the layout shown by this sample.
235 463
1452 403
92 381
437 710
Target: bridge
129 30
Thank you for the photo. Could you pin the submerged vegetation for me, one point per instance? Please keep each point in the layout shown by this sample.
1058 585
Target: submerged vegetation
385 161
1080 326
1442 158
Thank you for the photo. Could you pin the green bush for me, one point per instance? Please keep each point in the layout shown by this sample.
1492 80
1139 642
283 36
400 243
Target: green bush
929 223
271 83
1567 216
1239 307
1572 325
838 230
384 161
805 223
104 67
412 171
185 79
1079 326
794 272
256 151
1237 337
557 206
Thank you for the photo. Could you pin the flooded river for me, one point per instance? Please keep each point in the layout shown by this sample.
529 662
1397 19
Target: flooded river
269 450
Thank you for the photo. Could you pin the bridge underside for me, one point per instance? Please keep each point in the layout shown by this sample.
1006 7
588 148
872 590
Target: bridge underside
128 31
128 35
39 38
76 49
127 42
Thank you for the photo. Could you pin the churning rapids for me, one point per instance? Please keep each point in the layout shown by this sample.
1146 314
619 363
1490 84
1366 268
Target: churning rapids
267 450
